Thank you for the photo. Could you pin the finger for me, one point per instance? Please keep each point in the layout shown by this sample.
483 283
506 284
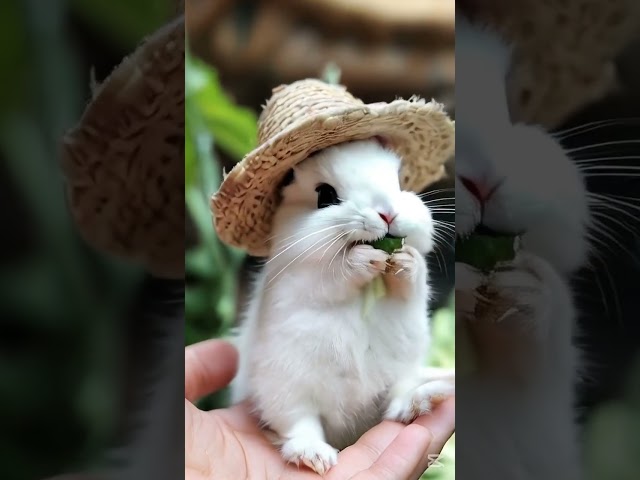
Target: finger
208 367
418 444
368 448
441 423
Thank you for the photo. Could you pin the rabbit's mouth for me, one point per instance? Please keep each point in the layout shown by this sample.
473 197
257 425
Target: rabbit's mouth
388 243
482 229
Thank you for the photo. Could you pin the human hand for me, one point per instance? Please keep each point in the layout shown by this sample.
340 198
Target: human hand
226 444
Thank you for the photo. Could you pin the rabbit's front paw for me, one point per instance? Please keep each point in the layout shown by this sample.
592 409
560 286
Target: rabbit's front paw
406 406
366 263
319 456
518 297
507 313
406 269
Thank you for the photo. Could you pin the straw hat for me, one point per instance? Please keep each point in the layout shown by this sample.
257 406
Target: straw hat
560 63
123 161
309 115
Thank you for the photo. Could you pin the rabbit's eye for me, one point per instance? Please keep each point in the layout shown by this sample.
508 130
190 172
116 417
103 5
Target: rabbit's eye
327 195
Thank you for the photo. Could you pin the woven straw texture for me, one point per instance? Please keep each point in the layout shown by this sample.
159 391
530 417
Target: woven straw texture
564 52
124 164
309 115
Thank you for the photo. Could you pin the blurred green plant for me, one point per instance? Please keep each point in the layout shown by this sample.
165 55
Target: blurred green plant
212 267
61 302
13 60
612 435
442 354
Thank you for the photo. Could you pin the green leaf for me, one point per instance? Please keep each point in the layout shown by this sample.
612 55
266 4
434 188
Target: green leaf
374 291
234 128
196 299
199 211
198 262
211 117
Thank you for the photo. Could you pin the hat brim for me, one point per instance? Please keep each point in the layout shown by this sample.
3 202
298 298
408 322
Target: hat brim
420 132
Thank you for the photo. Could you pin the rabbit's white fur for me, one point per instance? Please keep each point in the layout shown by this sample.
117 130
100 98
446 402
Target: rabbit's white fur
529 433
318 374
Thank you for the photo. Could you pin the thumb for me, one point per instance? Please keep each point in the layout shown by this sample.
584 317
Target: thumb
208 367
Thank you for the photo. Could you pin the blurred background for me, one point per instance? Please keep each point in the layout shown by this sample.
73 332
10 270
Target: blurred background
602 127
74 330
74 322
239 51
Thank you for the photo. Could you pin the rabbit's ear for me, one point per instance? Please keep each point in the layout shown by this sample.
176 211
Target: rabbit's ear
288 179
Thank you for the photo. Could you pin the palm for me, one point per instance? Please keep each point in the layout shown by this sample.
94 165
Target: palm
227 444
246 452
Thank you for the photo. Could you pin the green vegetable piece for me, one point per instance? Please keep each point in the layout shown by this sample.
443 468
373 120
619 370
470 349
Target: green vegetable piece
388 243
372 293
377 289
485 251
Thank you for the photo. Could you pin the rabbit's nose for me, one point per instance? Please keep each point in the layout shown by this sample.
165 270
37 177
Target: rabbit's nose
481 190
387 217
476 189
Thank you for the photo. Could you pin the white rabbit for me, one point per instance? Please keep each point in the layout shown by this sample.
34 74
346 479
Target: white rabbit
517 178
319 374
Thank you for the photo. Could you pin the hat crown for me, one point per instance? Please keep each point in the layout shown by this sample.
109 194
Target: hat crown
290 104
